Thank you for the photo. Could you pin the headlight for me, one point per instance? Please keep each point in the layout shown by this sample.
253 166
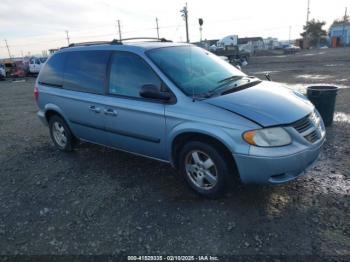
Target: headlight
267 137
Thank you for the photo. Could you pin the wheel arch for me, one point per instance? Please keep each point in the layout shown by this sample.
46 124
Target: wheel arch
180 139
52 109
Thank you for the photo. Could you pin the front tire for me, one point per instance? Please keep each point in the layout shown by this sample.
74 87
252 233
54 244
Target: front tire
204 168
60 133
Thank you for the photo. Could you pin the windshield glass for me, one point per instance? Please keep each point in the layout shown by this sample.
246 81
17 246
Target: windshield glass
194 70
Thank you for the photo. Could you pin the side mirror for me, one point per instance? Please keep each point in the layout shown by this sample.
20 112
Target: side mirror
268 77
153 92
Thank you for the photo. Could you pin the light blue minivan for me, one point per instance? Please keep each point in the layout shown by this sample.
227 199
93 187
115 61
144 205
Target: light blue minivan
179 104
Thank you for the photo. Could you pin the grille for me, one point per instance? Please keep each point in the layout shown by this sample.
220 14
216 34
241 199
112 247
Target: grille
309 127
303 124
312 137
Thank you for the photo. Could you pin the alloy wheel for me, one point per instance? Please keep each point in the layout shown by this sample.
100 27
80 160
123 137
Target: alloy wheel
59 134
201 169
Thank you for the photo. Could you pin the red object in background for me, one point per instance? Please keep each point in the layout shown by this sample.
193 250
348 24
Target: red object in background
18 72
334 41
36 93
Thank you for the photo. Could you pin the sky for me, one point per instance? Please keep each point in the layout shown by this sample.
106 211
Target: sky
33 26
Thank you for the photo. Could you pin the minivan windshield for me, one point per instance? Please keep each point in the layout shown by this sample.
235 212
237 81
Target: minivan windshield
194 70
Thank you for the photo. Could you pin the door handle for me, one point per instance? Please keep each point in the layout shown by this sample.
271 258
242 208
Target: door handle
110 112
95 109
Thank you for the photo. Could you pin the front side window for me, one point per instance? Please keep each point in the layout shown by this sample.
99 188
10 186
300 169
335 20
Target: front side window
86 71
194 70
129 73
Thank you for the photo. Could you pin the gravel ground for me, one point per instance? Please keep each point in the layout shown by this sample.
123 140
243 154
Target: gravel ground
100 201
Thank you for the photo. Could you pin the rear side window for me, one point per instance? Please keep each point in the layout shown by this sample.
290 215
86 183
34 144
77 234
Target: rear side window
86 71
129 73
52 73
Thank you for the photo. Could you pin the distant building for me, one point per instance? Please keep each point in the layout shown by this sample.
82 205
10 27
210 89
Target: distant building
303 43
271 43
339 34
251 44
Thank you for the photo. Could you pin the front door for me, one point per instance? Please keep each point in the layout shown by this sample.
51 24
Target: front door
134 124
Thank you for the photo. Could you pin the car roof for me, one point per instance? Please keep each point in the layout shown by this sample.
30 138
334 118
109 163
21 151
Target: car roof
127 46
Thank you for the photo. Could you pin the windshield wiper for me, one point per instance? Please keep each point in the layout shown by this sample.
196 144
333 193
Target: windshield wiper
229 89
240 87
229 79
222 83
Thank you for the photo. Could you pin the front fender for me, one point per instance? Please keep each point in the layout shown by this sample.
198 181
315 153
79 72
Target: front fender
231 138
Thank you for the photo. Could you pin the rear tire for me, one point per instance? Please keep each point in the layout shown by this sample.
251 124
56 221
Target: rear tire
60 134
204 168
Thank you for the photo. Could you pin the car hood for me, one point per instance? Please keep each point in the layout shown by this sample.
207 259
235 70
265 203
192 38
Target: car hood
266 103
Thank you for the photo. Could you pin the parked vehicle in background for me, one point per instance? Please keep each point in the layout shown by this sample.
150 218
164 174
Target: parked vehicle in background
224 58
18 70
35 64
8 67
290 49
180 104
2 72
230 40
228 47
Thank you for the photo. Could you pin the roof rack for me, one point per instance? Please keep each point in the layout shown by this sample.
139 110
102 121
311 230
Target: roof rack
113 42
147 38
116 42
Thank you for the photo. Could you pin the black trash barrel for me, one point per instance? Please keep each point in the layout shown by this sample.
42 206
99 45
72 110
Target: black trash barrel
323 97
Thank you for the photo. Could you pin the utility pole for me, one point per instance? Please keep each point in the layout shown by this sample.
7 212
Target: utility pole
157 27
8 49
184 12
308 11
67 37
290 30
343 34
120 32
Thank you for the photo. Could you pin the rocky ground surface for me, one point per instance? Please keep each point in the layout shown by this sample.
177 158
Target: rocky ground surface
100 201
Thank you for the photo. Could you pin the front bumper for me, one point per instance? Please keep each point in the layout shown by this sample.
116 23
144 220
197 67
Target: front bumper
276 170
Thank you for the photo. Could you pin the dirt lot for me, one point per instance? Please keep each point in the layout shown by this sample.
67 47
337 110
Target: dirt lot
99 201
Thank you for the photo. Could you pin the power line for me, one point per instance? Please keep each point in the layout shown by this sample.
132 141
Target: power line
40 41
59 41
